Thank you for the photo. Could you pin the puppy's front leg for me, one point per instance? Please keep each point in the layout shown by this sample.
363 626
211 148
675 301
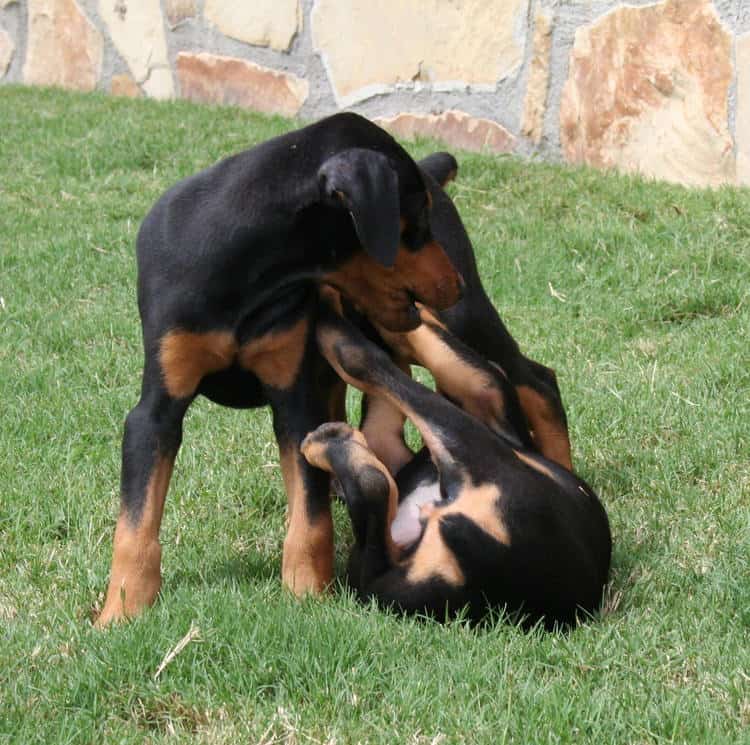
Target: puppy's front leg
370 494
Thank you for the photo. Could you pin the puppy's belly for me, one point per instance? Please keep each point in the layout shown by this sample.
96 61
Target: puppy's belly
406 529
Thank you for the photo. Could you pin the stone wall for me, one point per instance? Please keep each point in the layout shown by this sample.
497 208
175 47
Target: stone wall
660 88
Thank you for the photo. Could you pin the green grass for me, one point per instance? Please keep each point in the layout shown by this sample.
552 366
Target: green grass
637 293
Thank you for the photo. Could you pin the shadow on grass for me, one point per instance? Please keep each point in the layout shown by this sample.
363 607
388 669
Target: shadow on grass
243 569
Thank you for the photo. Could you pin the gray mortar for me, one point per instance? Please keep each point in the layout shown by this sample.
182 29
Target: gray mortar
504 104
13 20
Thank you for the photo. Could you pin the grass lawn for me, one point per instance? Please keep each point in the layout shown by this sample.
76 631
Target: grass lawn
637 293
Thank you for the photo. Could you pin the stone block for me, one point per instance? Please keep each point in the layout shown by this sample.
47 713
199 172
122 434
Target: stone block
212 78
370 47
7 48
63 47
179 10
647 92
535 100
263 23
742 121
136 28
455 128
124 85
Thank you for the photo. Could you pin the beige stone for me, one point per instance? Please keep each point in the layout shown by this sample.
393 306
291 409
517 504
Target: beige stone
455 128
179 10
63 47
368 47
159 84
137 30
648 92
536 89
742 121
212 78
264 23
124 85
7 47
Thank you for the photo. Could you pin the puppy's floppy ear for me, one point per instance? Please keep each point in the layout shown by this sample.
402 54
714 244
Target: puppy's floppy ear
442 166
363 182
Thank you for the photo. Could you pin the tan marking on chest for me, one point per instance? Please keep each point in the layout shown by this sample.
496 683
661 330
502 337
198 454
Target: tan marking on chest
186 357
276 357
480 505
433 558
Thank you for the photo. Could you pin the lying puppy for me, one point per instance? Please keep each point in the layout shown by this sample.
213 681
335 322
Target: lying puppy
505 527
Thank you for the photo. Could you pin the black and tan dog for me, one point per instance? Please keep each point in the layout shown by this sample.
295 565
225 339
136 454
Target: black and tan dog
229 265
475 321
499 525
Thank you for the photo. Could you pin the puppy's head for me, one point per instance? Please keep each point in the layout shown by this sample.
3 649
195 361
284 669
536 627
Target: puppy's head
400 261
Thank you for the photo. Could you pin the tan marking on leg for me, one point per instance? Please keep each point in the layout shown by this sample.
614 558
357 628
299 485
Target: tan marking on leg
550 433
475 389
327 339
135 577
275 357
538 466
362 455
187 357
307 564
383 429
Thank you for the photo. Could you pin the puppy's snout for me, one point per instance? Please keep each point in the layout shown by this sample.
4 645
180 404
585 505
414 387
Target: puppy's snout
441 285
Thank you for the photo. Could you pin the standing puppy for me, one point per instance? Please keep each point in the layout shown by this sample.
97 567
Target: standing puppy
229 265
508 529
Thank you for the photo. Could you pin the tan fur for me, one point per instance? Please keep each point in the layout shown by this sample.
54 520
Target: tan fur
475 390
327 340
432 557
276 357
383 429
316 451
136 558
307 563
550 434
187 357
383 292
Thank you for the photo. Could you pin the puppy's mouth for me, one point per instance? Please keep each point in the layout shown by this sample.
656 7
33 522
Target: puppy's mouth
412 308
404 318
